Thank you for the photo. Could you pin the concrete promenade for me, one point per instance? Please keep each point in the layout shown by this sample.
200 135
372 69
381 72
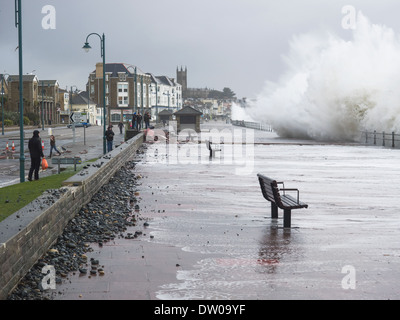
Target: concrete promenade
210 235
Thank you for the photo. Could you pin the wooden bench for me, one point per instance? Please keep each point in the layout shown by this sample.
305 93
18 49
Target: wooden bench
212 148
287 203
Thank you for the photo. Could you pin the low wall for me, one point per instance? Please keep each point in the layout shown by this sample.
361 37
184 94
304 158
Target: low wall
27 234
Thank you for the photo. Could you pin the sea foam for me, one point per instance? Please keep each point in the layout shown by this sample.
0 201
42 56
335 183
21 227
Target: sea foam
333 88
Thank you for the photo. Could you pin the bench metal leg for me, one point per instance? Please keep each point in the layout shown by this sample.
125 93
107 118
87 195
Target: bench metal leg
287 218
274 211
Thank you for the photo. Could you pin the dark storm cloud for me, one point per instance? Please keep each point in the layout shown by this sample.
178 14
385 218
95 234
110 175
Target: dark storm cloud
233 43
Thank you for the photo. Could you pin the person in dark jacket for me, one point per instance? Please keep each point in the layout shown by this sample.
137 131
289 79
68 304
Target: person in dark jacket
120 126
109 138
134 121
139 121
36 153
147 118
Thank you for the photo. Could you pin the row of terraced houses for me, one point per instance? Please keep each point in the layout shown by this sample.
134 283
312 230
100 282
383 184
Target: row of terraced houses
128 90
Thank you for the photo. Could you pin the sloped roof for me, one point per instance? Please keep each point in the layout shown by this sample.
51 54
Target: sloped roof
163 80
26 77
48 82
165 112
115 68
81 98
153 78
188 110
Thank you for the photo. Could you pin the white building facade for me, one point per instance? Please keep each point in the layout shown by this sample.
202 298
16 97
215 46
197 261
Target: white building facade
165 94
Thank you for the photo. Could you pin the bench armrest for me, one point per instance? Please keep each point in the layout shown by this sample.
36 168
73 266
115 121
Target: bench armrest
298 193
215 146
281 184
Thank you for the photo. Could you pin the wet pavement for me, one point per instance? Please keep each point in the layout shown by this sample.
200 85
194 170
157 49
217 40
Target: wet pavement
210 235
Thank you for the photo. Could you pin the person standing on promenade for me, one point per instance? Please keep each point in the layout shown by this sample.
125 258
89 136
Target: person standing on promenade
120 126
109 138
53 146
134 121
147 118
36 153
139 121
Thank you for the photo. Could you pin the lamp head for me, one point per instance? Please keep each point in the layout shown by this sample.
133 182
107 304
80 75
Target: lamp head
86 47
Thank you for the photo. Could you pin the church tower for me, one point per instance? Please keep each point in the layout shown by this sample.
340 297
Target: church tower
181 78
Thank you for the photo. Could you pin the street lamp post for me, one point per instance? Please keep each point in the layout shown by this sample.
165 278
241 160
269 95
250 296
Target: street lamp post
2 102
87 47
167 94
141 100
156 102
156 92
42 111
135 83
88 101
18 24
70 103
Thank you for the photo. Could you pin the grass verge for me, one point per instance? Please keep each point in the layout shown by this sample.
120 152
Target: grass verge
17 196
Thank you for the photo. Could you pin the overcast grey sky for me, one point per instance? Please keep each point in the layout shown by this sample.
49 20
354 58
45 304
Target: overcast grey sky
223 43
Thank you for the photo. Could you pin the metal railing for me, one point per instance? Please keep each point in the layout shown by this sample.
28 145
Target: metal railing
253 125
389 140
381 139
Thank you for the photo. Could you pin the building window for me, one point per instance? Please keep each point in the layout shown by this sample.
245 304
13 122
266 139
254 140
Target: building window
122 87
123 99
116 117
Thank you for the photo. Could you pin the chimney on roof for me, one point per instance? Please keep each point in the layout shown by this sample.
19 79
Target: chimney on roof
99 70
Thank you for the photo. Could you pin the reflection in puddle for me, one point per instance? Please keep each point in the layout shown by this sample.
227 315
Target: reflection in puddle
274 246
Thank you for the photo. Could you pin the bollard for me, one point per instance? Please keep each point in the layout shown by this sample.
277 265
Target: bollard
59 165
375 138
392 139
383 138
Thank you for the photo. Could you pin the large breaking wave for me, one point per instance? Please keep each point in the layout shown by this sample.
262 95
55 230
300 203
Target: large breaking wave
334 88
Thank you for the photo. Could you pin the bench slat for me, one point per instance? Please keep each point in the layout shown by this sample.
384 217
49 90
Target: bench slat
291 202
